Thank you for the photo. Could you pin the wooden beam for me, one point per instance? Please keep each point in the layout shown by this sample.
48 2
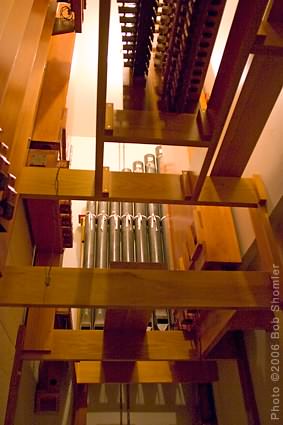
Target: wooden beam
142 372
246 381
250 320
116 346
103 32
266 243
39 182
258 96
80 404
141 289
52 100
131 126
269 39
247 19
39 327
213 327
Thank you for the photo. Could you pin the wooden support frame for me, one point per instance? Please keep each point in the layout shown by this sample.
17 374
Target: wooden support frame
248 17
104 19
47 183
116 346
145 372
140 289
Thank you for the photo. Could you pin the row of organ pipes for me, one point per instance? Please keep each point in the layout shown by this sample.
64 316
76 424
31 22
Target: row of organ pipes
126 232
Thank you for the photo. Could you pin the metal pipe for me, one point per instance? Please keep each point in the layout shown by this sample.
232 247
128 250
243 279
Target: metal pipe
101 255
88 257
102 235
164 219
114 232
127 230
154 230
140 220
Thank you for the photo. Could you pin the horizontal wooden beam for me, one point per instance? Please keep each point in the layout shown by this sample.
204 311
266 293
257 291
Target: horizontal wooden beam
72 345
156 128
39 183
142 289
142 372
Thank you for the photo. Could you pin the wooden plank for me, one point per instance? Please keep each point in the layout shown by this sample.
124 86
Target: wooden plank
17 83
13 22
39 327
258 96
142 372
104 17
52 100
131 126
39 183
23 122
140 289
116 346
247 19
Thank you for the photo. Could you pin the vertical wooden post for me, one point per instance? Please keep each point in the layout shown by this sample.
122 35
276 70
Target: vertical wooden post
104 17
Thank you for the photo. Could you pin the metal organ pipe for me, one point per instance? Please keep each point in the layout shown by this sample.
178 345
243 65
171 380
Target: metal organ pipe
127 229
154 230
140 209
114 232
88 257
164 218
102 235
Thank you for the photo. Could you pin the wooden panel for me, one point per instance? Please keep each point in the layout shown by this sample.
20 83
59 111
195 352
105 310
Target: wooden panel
215 229
146 372
258 96
104 19
137 187
115 346
156 128
145 289
54 89
39 327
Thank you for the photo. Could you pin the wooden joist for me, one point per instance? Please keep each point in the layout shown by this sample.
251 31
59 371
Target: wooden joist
116 346
141 289
145 372
39 182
